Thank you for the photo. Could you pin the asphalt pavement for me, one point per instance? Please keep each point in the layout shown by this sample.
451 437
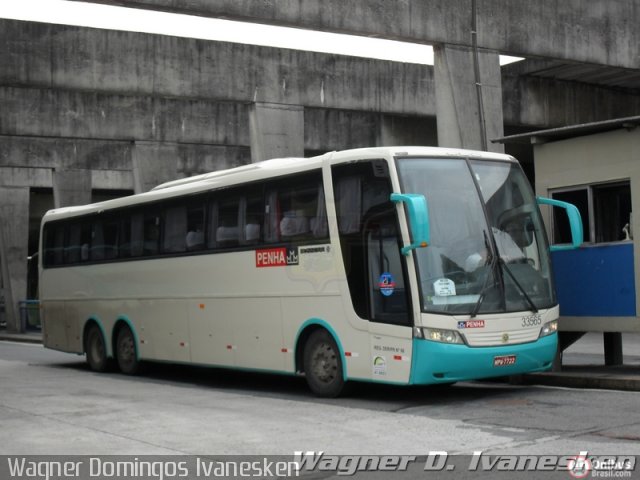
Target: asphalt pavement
582 364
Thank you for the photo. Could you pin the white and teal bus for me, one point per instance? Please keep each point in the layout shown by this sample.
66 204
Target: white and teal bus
404 265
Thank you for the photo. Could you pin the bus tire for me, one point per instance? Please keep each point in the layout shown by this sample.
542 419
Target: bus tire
126 353
96 349
323 365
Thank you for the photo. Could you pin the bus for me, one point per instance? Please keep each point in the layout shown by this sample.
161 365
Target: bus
403 265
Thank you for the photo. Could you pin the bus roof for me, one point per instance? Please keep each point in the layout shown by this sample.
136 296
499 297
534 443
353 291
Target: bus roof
265 169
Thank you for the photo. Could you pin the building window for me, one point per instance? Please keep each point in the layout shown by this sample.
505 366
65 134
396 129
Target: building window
605 210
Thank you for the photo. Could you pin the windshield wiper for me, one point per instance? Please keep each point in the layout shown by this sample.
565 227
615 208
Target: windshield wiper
534 309
496 259
492 270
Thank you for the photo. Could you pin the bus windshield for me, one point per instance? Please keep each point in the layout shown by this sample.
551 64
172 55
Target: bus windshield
488 251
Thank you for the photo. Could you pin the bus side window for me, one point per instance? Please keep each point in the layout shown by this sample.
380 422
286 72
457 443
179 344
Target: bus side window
124 237
175 229
296 210
151 244
358 188
137 234
54 245
226 231
97 251
272 217
388 300
195 226
253 218
72 244
110 236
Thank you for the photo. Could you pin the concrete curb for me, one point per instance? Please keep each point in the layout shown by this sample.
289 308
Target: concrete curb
617 380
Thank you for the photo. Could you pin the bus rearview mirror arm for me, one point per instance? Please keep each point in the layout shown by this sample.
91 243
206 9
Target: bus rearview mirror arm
418 219
575 222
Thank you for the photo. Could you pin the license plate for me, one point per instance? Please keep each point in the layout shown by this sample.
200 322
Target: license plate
504 360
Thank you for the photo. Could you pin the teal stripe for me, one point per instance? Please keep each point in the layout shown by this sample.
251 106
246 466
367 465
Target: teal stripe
453 363
329 328
126 320
107 343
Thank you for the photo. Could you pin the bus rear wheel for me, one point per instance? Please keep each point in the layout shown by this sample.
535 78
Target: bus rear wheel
126 353
96 349
323 365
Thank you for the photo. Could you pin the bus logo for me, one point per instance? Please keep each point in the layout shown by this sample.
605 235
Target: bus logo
471 324
277 257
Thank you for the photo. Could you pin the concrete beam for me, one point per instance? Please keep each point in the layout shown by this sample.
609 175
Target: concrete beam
71 187
153 164
469 108
88 114
14 237
210 104
536 102
126 63
595 31
64 153
25 176
276 131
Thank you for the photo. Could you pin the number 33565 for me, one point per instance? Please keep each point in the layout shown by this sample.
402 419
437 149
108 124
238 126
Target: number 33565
531 320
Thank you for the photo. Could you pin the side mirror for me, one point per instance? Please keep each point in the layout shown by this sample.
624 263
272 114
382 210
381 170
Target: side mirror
575 222
418 219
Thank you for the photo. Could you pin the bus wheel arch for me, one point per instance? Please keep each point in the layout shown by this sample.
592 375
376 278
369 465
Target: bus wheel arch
320 357
94 344
125 347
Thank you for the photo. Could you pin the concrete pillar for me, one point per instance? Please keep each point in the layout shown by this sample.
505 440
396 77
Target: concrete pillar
71 187
153 163
468 116
14 238
276 131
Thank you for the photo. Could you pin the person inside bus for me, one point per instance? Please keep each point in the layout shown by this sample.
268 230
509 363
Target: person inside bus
507 248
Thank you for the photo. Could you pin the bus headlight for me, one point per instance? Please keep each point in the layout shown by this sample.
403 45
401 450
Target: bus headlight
549 328
438 335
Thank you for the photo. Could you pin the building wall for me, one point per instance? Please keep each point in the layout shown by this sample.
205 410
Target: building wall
598 158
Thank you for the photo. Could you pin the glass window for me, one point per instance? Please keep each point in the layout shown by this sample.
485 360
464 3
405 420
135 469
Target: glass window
253 218
605 210
125 238
110 228
175 229
145 234
362 190
151 235
561 228
54 244
195 225
79 243
488 250
295 210
225 212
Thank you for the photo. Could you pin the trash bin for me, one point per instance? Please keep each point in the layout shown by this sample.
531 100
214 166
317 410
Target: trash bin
30 314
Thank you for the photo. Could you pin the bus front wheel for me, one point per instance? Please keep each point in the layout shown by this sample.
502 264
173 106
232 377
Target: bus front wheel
96 349
126 354
323 365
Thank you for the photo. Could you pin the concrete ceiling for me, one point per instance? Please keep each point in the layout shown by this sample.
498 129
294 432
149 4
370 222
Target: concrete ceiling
605 76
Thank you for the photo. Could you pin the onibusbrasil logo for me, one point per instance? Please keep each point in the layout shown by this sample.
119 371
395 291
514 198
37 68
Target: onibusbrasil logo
579 466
